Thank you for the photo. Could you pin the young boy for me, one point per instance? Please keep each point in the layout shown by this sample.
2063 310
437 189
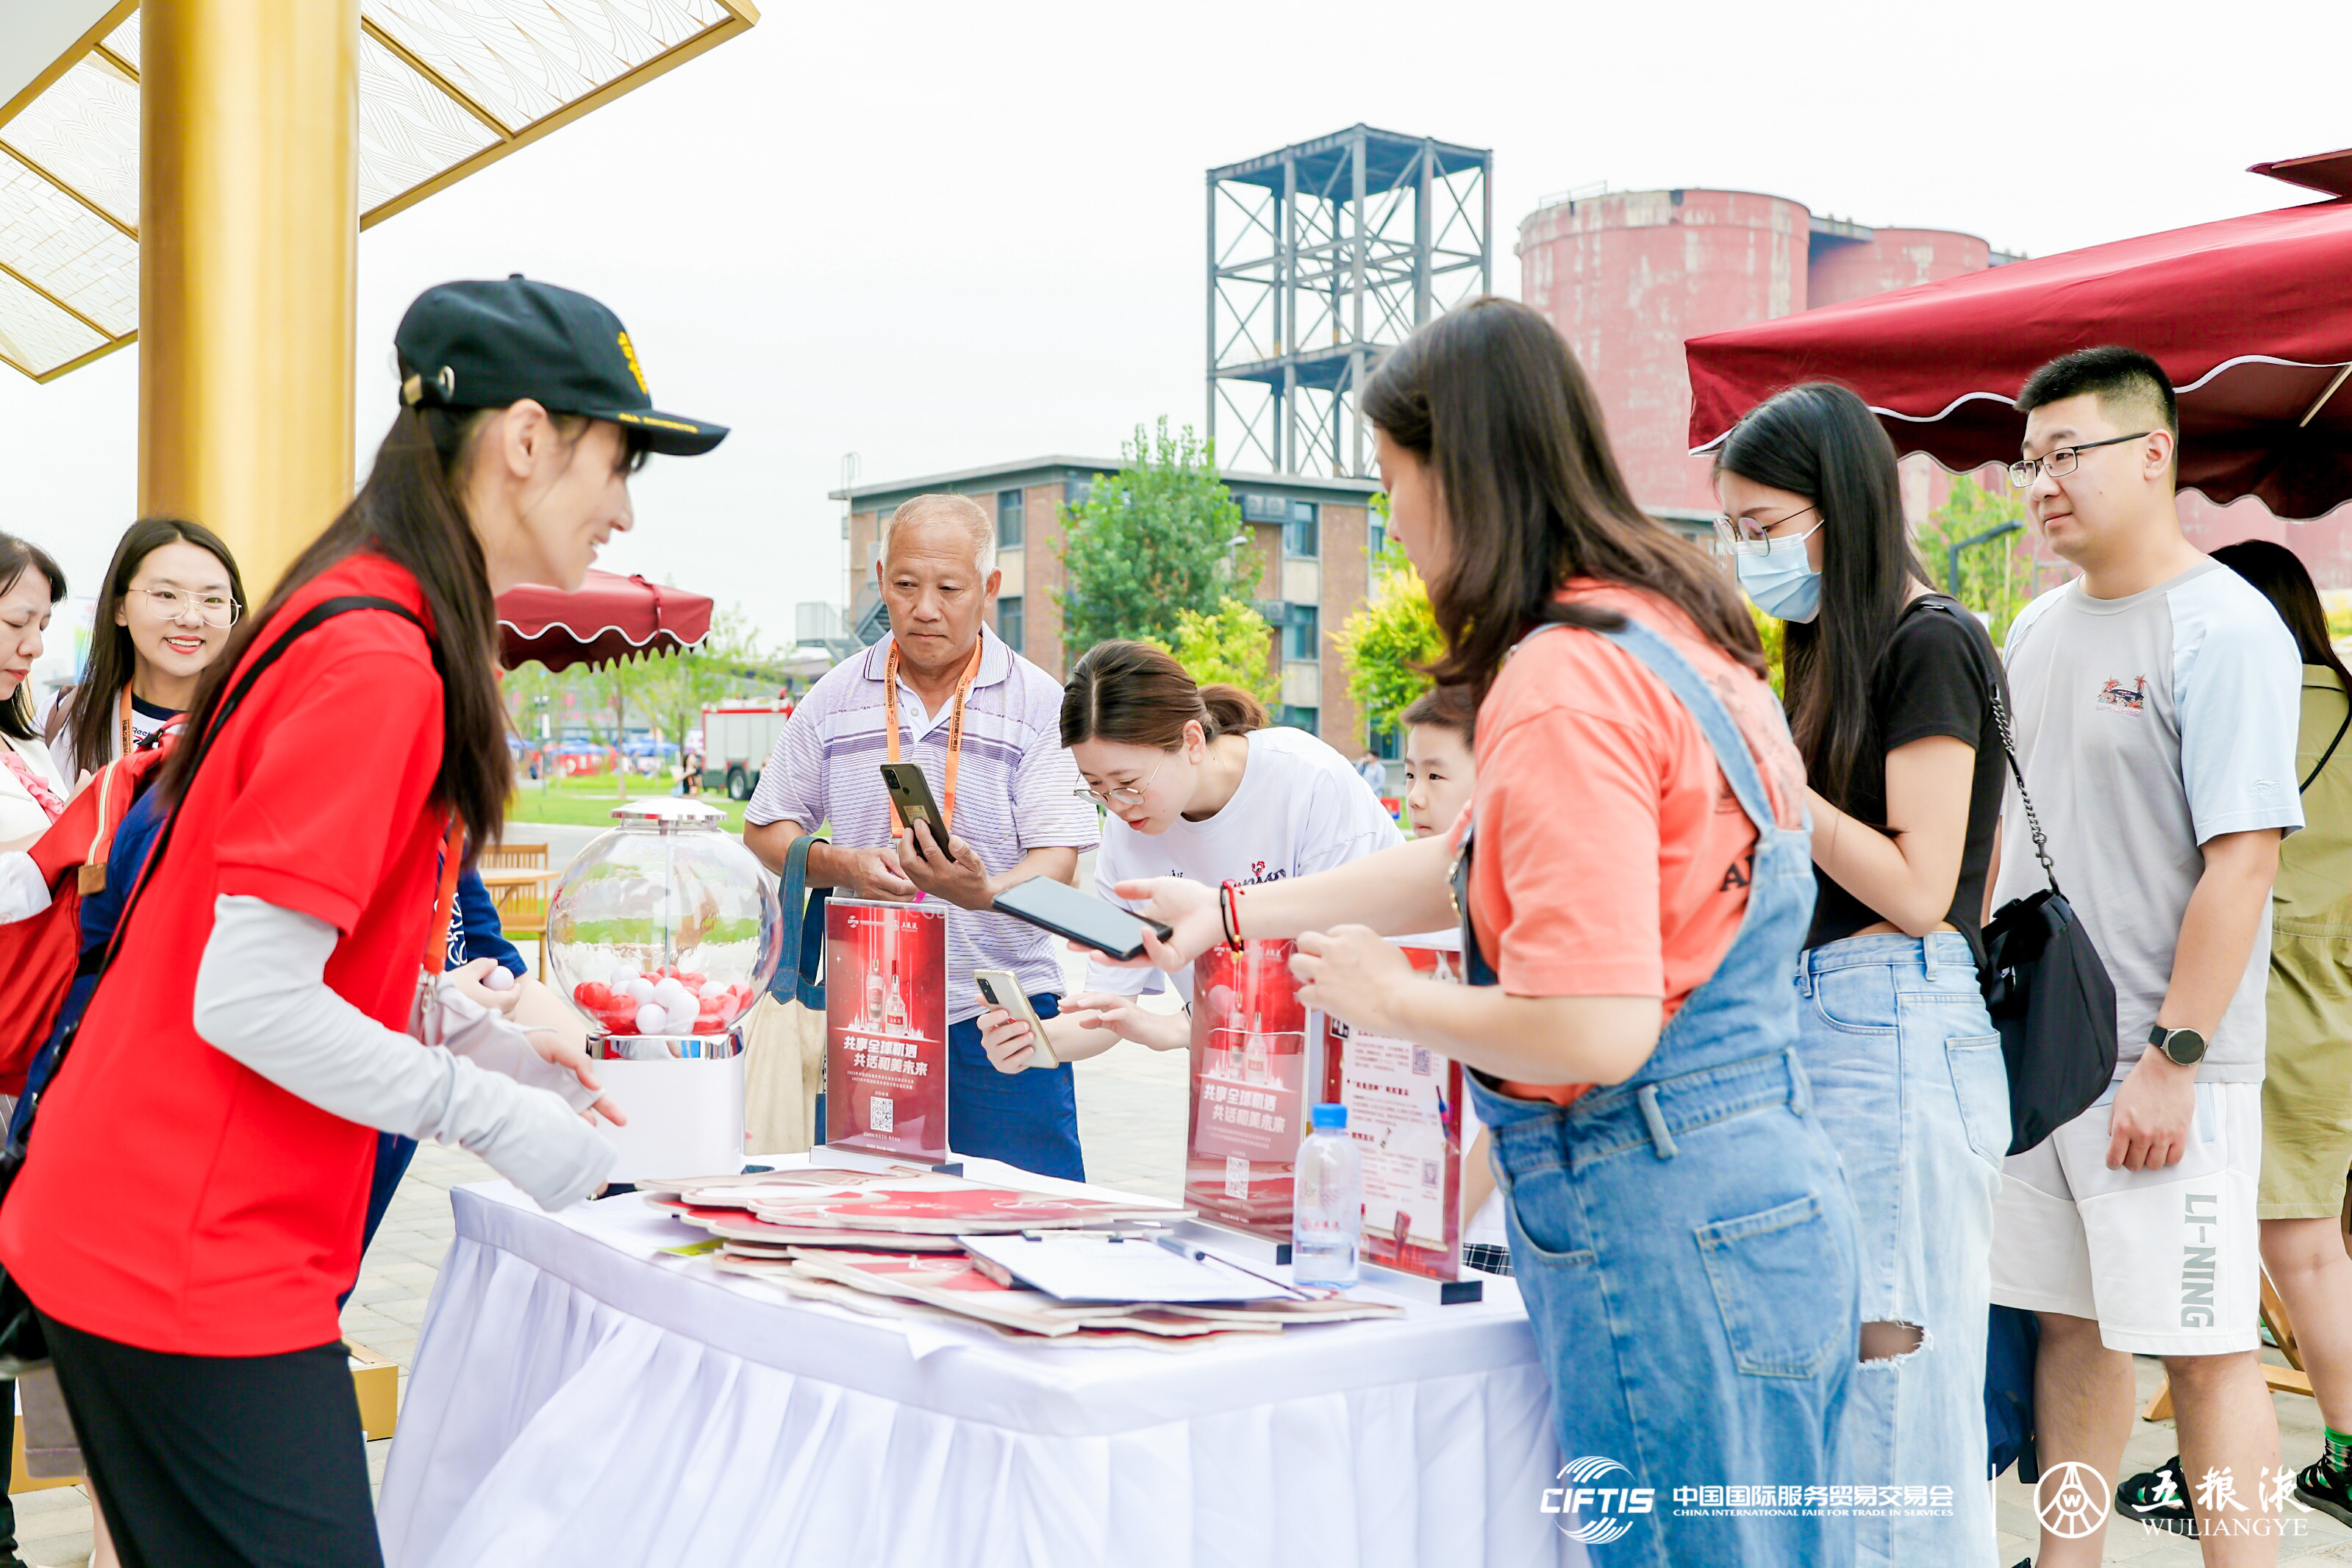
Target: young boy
1438 767
1440 773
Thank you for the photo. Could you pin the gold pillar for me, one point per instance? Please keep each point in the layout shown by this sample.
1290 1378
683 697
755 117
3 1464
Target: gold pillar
248 227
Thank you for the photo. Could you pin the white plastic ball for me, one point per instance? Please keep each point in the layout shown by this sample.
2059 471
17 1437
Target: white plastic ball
638 991
651 1020
622 978
499 978
672 993
681 1019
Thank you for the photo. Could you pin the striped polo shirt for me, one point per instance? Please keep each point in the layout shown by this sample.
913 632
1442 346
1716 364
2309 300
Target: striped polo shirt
1015 788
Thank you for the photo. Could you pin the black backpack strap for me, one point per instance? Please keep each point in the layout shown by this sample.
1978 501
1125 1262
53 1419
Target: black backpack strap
325 610
2321 765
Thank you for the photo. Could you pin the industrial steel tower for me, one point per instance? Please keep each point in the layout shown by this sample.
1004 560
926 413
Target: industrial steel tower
1323 256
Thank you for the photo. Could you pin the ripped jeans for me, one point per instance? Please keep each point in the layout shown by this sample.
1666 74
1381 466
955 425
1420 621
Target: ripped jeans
1908 1083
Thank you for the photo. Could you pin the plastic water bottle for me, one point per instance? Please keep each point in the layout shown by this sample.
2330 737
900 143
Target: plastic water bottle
1327 1223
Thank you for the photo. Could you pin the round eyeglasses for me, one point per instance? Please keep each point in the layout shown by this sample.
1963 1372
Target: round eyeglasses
172 603
1747 536
1119 795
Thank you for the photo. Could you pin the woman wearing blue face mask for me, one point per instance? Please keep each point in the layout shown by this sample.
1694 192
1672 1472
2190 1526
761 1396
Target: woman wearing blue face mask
1890 694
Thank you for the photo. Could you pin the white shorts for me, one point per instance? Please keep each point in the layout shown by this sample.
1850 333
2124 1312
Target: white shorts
2168 1262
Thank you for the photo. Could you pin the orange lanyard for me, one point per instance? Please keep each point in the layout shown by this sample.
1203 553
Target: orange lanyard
130 733
437 944
955 728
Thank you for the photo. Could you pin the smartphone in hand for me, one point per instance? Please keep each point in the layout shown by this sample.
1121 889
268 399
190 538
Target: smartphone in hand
1002 989
1081 917
911 793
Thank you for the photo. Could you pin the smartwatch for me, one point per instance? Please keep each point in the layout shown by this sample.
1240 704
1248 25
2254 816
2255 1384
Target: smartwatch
2185 1046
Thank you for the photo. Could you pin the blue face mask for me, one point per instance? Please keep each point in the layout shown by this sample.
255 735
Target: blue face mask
1781 582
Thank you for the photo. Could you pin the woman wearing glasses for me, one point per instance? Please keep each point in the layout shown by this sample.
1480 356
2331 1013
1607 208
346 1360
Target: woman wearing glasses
1195 784
1890 694
171 593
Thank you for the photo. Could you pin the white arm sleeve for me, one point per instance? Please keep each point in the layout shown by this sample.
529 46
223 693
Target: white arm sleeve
23 892
262 999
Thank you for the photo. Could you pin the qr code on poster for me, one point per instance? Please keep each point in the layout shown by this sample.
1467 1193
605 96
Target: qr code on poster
1236 1176
1421 1068
881 1114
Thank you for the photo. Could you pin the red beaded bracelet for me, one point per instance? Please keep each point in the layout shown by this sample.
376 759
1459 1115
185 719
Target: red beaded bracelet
1229 913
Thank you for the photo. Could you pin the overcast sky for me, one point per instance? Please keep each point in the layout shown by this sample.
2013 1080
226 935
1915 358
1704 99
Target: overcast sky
941 234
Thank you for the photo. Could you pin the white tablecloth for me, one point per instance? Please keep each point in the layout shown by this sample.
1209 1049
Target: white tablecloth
578 1399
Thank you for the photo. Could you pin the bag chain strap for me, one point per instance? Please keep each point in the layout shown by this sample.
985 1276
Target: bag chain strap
2009 750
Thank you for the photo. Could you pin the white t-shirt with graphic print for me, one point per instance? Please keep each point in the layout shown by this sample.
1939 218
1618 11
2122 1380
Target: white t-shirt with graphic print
2147 726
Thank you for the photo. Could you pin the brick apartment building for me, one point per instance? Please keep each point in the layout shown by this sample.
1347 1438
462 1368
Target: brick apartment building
1313 535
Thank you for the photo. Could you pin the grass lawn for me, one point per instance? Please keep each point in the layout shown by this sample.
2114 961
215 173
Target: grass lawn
588 803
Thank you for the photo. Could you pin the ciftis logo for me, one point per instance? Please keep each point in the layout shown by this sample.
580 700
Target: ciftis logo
1606 1511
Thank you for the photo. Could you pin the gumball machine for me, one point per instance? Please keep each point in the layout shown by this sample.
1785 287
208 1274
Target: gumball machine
664 932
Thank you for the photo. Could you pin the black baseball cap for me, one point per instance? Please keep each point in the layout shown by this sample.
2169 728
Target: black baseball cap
486 345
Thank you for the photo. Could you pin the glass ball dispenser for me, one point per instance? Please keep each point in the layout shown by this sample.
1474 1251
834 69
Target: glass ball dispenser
663 933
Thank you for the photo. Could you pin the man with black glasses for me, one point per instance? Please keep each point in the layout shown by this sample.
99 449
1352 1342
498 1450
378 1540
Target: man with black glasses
2156 716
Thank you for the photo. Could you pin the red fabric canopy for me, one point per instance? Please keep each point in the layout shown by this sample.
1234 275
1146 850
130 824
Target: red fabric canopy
610 618
2251 317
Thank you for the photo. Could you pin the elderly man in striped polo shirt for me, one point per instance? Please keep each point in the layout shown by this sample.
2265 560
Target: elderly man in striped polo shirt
1017 808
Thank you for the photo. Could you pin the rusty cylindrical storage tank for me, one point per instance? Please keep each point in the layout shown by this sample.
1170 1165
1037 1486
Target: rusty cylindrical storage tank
1628 276
1847 270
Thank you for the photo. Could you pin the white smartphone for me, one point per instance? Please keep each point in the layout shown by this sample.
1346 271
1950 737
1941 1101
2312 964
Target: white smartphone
1002 989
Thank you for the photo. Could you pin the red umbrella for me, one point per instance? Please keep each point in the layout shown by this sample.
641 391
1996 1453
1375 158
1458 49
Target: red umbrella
2251 317
610 618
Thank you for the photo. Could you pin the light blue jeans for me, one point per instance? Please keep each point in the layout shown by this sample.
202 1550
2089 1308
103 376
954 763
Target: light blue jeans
1908 1083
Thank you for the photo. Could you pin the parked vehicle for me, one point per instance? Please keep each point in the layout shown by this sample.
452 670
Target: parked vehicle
737 738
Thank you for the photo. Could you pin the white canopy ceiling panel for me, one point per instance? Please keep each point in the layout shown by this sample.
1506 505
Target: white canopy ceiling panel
446 86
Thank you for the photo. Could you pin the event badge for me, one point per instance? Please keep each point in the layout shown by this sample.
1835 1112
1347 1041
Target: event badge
886 1028
1405 1110
1250 1073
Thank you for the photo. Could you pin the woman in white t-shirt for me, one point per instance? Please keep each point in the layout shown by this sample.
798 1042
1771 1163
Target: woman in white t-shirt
1194 784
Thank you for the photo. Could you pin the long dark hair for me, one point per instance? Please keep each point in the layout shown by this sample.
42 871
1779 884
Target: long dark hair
2279 574
1490 395
1821 442
16 556
88 713
1132 693
409 511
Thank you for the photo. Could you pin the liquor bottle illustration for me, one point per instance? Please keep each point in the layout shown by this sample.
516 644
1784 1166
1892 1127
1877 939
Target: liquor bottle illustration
872 1019
1253 1052
894 1010
1445 970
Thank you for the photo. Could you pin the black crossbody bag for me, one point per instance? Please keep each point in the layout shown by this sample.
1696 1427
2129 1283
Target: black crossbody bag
23 1346
2048 991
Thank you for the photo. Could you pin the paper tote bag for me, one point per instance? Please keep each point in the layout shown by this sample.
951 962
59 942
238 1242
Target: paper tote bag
2049 995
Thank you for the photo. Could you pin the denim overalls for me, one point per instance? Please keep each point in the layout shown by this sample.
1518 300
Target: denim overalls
1684 1241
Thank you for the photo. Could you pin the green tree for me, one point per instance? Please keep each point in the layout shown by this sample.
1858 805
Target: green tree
1150 542
530 690
1998 578
1773 633
1233 645
1384 644
678 683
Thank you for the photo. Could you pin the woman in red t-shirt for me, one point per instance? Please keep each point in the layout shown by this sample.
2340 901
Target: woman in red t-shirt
1632 912
191 1206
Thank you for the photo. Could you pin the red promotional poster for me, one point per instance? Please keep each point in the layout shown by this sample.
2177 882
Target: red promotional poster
1404 1111
1249 1088
886 1028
